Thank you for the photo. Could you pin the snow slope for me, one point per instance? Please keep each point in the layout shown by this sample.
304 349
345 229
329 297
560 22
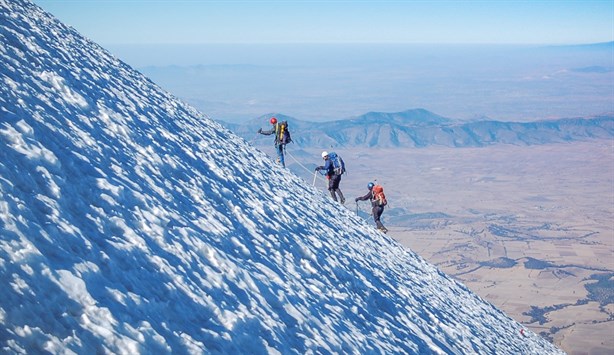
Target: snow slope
130 223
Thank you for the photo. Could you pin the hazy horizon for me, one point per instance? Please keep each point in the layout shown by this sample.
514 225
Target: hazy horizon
291 54
330 60
321 82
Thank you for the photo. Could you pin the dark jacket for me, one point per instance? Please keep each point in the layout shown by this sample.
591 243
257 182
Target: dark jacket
327 169
273 130
376 210
369 196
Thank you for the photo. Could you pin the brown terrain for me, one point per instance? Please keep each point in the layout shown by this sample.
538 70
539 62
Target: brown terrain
528 228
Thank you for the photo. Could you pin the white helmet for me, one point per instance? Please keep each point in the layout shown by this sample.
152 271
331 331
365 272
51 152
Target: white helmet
324 154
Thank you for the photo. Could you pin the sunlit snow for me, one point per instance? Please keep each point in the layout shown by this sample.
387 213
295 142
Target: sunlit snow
131 223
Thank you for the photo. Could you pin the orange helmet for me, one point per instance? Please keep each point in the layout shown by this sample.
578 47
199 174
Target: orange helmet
273 120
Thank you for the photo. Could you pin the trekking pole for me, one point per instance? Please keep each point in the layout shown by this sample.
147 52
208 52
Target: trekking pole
253 139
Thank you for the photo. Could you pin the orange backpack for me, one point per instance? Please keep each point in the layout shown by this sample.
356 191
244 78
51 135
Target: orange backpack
379 196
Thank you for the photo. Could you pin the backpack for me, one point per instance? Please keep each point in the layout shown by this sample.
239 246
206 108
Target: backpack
338 163
283 134
379 196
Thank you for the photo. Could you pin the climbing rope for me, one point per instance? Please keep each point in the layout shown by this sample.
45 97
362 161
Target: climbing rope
251 141
315 173
285 152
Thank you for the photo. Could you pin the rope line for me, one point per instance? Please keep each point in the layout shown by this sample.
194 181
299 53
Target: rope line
251 142
285 152
303 166
316 174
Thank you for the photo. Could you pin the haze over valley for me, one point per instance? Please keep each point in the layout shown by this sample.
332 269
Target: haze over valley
321 82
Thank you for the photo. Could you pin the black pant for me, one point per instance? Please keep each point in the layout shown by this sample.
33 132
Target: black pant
333 187
377 213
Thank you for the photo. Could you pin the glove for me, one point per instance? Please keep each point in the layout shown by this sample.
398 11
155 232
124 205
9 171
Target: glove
259 130
356 199
318 168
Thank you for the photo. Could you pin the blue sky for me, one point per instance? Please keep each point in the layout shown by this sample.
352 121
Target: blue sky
479 22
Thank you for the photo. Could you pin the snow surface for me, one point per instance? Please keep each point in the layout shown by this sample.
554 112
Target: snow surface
131 223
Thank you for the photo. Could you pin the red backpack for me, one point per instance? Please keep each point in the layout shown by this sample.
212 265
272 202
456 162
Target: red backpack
379 196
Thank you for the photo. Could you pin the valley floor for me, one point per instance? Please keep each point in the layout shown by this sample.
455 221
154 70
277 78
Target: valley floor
528 228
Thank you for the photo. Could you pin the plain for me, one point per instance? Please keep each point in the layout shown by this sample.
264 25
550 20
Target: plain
528 228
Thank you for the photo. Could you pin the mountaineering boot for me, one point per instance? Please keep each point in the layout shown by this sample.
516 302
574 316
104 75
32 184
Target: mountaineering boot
332 194
341 196
381 227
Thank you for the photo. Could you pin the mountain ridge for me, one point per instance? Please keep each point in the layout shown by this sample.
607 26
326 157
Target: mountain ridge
422 128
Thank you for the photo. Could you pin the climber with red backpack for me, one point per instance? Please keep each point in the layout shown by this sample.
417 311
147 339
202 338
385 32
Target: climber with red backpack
378 201
282 137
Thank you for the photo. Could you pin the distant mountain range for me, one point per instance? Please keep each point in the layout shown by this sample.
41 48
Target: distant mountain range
421 128
590 46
